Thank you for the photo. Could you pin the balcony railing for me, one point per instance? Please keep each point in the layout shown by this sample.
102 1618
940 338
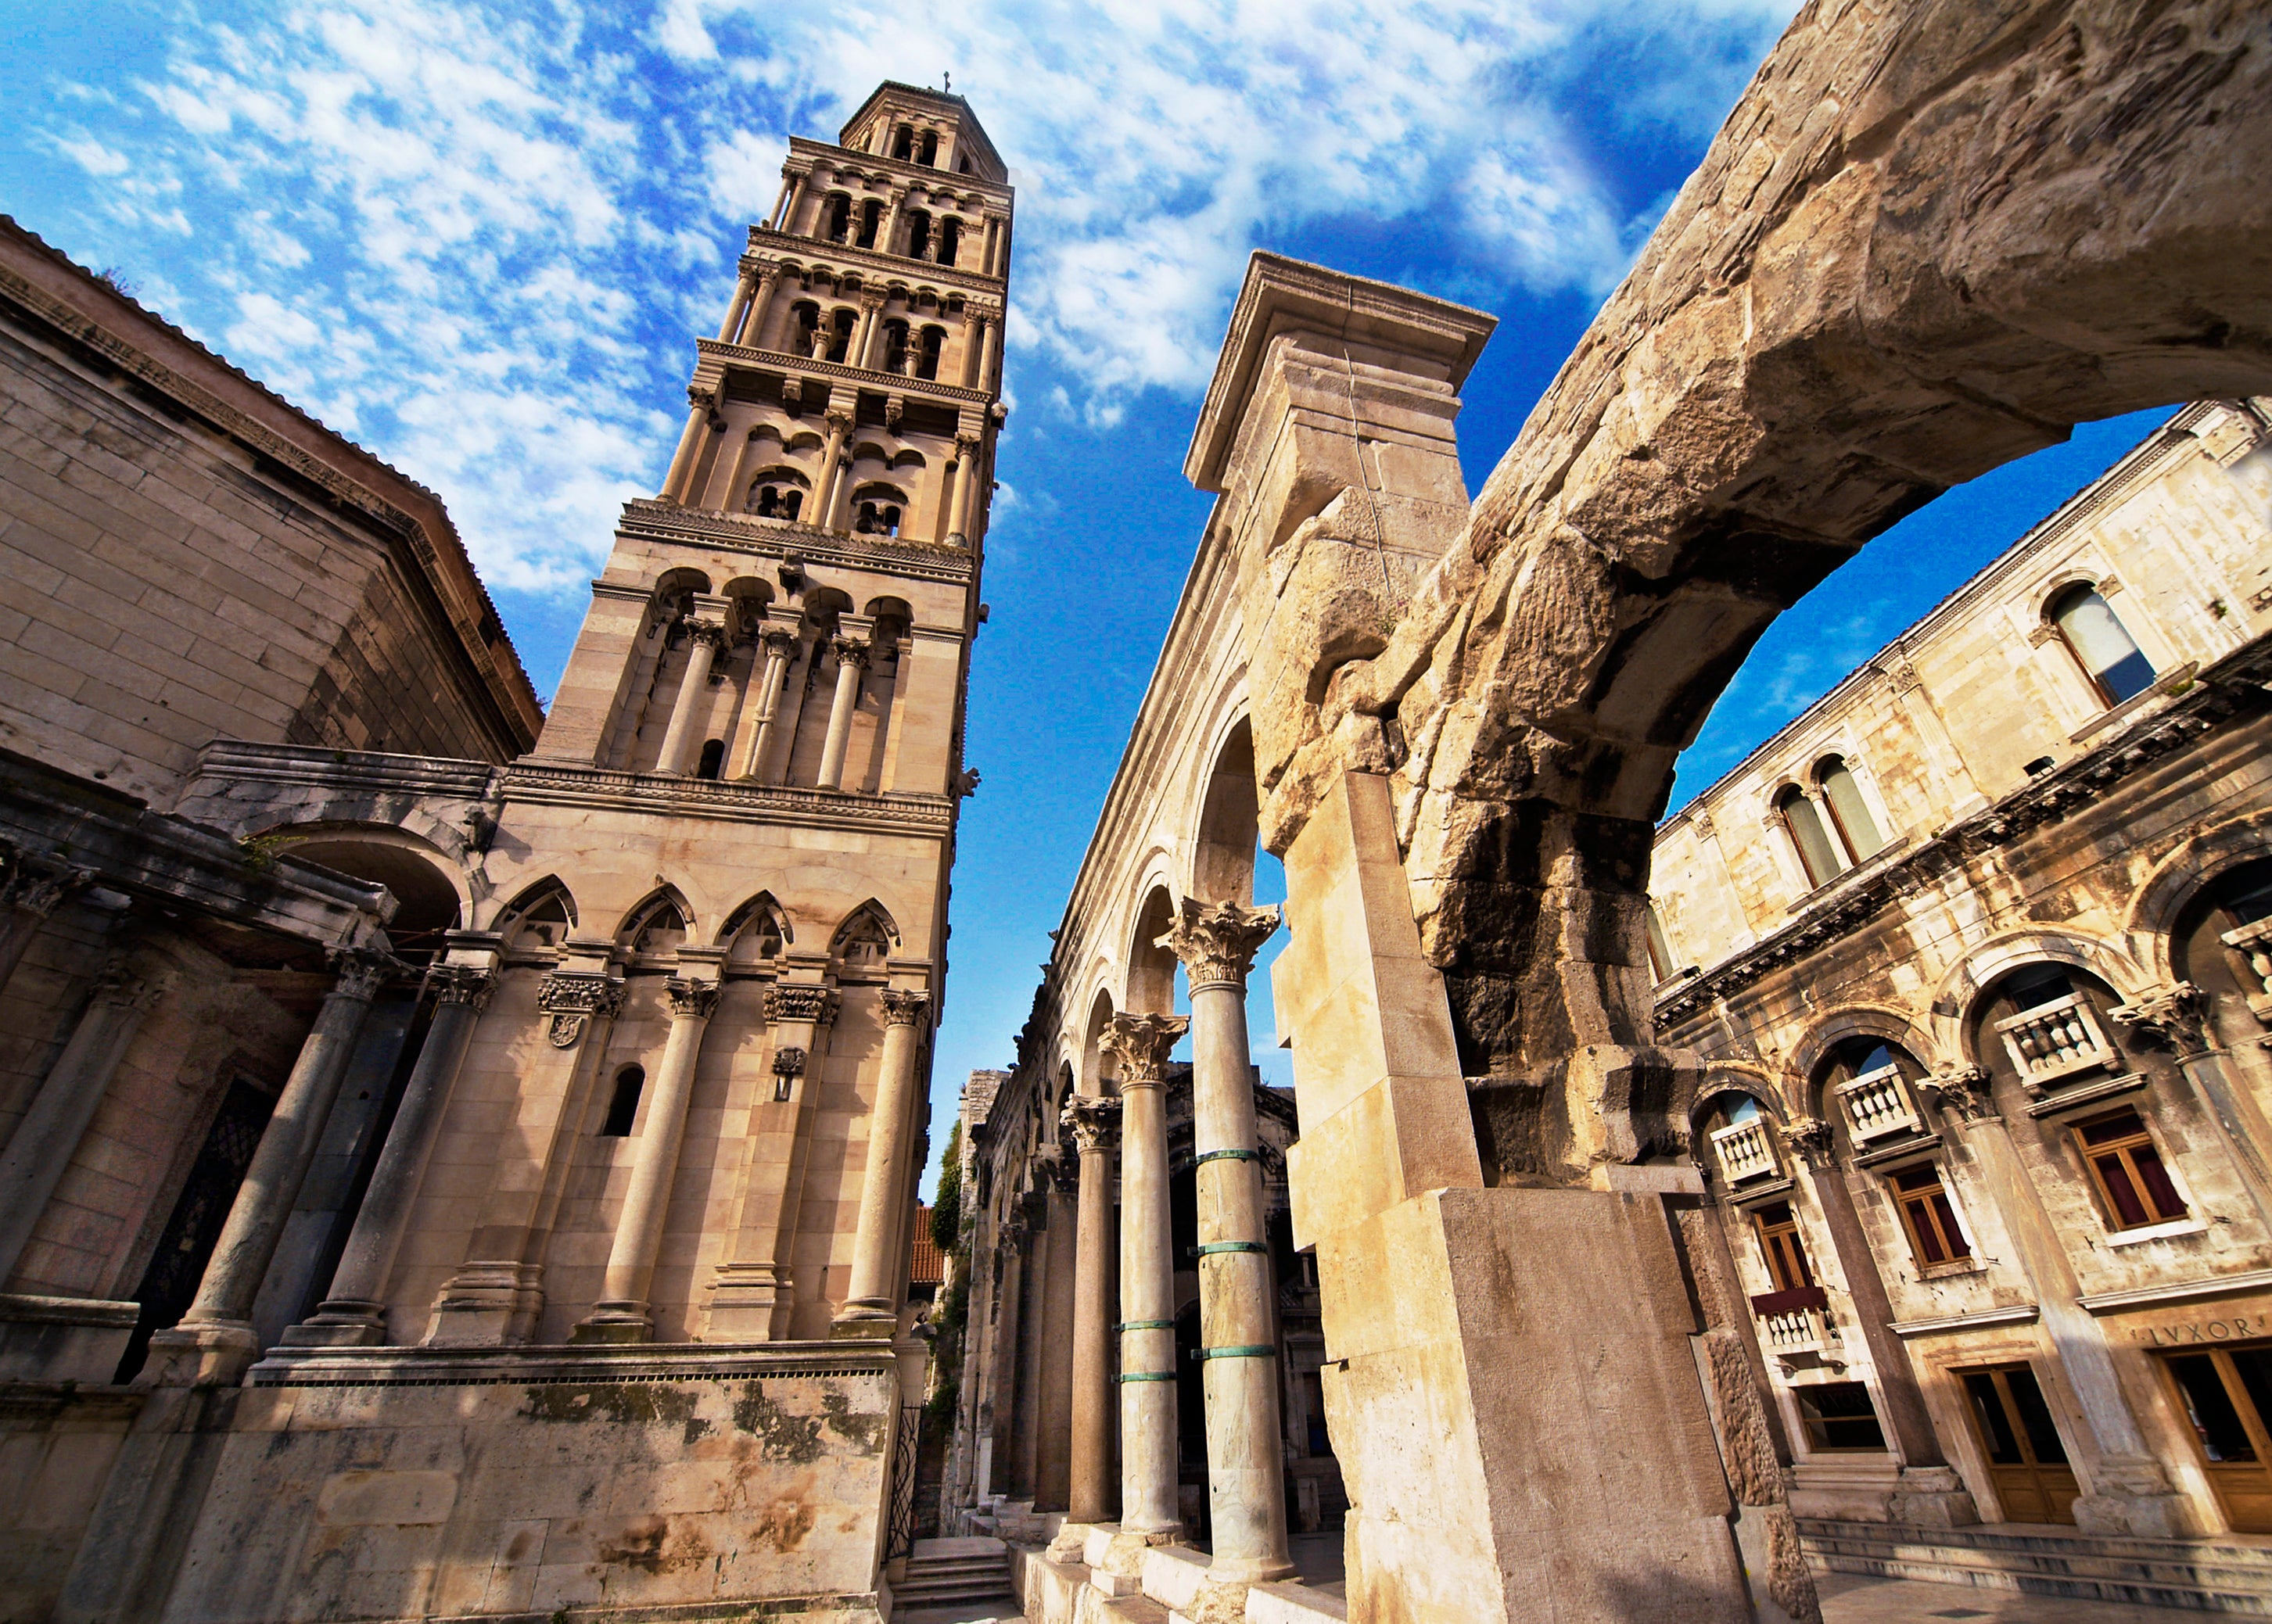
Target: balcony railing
1878 1103
1744 1151
1795 1327
2253 943
2055 1040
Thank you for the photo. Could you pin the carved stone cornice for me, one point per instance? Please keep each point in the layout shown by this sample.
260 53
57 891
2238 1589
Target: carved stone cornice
469 985
1959 1091
799 1001
2216 695
690 999
1093 1123
1142 1045
904 1008
1216 941
2177 1016
662 794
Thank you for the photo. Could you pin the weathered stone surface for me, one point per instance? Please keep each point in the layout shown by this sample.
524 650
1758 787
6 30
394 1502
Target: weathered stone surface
1927 240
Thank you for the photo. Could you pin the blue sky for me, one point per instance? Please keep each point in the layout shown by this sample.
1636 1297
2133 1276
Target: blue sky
480 238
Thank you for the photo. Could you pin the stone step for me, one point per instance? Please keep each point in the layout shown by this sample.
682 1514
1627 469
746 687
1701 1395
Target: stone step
2227 1573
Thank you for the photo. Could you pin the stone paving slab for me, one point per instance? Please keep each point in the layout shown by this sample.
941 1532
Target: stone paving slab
1860 1598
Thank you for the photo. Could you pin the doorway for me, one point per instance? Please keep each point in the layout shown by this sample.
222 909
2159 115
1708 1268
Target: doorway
2027 1463
2226 1393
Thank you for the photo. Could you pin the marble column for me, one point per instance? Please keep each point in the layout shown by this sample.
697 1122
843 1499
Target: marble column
832 469
887 237
728 495
792 194
744 288
851 661
1149 1444
214 1341
704 639
761 303
702 405
1023 1415
1092 1124
620 1314
35 888
1238 1330
41 1149
2177 1018
1053 1369
965 486
872 306
354 1311
871 1304
779 645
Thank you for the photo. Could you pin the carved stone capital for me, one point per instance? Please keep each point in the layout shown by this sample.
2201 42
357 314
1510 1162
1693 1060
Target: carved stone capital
965 447
2177 1016
706 631
362 973
1141 1044
1960 1092
1814 1140
40 884
1216 941
904 1009
570 998
849 651
1094 1124
779 643
470 985
689 997
801 1001
839 422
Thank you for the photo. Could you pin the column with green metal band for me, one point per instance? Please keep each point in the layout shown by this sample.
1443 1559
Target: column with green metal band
1239 1331
1093 1123
1148 1442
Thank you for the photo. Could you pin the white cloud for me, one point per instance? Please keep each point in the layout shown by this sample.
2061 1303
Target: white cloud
483 233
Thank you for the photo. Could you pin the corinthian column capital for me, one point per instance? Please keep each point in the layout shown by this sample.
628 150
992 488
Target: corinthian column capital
801 1001
904 1009
1216 941
1141 1044
698 999
362 973
1093 1123
470 985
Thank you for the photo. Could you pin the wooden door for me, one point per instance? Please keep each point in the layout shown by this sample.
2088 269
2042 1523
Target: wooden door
2226 1393
2027 1463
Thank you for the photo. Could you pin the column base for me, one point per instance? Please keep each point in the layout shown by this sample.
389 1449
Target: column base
620 1321
214 1354
1071 1541
747 1300
1119 1567
487 1305
2132 1497
1932 1497
860 1321
341 1322
1219 1601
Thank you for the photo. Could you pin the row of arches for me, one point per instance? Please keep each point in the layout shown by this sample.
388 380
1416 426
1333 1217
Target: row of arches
542 918
867 222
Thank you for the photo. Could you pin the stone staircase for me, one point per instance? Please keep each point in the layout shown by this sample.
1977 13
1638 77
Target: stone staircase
2231 1573
967 1578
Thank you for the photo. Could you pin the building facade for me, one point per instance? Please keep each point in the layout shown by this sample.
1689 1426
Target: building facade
1971 949
564 1263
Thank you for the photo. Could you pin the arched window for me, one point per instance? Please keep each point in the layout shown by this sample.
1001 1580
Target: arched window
950 238
539 921
933 339
840 338
929 154
903 144
839 218
896 347
659 928
877 519
1850 813
623 1105
862 941
918 233
2100 644
713 758
871 220
1820 859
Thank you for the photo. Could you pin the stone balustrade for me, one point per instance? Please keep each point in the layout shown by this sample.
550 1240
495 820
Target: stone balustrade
1878 1105
2252 943
2055 1040
1744 1151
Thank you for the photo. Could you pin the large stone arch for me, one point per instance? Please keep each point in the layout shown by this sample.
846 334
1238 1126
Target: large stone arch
2183 876
1928 240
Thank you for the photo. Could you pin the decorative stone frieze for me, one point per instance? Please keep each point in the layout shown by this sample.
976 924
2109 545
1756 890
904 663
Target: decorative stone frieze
797 1001
570 998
